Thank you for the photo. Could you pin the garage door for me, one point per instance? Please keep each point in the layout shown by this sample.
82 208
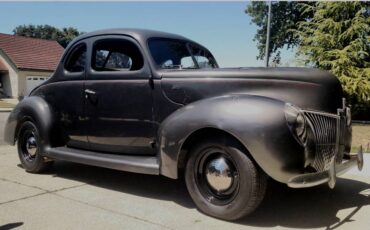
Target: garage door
33 81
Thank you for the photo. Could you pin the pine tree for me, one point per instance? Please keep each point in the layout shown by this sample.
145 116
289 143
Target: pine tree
337 39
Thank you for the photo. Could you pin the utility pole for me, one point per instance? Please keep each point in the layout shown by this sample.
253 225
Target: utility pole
267 53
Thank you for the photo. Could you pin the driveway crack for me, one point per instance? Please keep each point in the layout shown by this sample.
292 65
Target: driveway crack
23 198
39 188
42 192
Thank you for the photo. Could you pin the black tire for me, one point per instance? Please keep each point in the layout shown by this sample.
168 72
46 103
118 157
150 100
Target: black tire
246 182
28 143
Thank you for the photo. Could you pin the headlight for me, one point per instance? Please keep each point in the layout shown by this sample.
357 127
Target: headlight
300 125
297 122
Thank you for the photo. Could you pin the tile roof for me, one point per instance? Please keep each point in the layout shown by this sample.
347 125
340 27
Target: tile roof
31 53
3 67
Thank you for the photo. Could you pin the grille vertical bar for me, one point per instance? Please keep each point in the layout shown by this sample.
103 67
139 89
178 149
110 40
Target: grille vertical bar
324 127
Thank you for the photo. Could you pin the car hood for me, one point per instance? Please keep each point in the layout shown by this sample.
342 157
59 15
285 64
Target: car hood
307 88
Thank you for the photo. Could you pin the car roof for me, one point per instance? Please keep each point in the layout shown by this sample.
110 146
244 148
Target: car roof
139 34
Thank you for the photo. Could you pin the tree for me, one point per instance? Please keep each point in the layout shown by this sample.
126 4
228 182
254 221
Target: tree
337 39
63 36
285 16
333 36
67 35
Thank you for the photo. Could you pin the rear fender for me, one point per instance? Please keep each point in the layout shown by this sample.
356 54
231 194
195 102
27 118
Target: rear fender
33 109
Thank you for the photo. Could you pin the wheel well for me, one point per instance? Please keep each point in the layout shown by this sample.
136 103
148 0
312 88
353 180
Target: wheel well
56 138
19 125
197 137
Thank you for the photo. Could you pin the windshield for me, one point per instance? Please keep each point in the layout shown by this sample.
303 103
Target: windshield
178 54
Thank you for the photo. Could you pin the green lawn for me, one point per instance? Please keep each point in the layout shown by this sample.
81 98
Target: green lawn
361 136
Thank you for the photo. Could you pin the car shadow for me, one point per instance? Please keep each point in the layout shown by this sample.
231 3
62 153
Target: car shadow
152 186
11 226
282 206
311 207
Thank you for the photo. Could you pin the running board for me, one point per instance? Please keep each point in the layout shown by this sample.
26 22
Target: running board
136 164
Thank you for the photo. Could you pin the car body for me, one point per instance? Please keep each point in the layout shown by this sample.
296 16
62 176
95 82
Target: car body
142 101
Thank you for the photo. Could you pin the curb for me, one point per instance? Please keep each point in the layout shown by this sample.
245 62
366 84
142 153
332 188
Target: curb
6 109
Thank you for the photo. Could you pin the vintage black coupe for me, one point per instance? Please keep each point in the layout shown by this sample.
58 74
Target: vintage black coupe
157 103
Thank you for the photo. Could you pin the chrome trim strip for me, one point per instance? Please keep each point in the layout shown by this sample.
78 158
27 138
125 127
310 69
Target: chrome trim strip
336 116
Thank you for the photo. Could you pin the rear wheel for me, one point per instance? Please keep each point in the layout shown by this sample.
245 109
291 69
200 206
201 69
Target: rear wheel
223 181
28 144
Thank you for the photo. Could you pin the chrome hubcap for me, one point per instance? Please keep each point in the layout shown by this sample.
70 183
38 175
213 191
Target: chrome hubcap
219 174
28 145
216 176
31 146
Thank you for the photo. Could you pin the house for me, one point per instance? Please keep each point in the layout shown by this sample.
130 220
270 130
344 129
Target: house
25 63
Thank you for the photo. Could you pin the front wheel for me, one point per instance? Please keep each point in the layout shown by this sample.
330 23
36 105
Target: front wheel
28 143
223 181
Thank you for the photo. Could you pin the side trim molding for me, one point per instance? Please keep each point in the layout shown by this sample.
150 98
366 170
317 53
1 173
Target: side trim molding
135 164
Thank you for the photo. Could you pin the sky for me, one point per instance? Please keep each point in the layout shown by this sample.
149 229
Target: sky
222 27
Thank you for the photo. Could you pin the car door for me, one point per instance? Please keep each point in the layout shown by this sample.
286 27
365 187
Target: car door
65 94
118 96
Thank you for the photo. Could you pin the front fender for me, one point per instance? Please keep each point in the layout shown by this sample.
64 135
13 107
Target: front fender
257 122
32 108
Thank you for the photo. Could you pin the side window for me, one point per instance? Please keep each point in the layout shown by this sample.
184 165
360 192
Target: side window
116 55
187 63
76 59
202 57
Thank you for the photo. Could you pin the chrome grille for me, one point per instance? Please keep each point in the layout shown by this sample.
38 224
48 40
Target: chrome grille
325 128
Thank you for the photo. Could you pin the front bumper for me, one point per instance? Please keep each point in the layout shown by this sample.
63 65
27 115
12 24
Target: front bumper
329 176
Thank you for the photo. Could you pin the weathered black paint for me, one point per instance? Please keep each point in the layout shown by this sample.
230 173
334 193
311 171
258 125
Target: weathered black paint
130 111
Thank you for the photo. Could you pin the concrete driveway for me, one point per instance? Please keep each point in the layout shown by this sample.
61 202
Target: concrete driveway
3 118
73 196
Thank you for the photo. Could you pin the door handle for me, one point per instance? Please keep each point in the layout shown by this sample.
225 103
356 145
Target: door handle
89 92
91 95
